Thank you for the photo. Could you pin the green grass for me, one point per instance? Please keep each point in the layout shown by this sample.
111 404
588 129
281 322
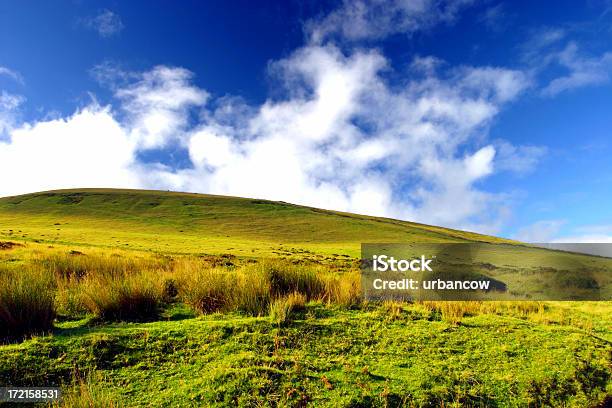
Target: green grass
366 359
289 327
198 223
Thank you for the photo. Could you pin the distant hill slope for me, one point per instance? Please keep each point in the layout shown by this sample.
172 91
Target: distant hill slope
199 223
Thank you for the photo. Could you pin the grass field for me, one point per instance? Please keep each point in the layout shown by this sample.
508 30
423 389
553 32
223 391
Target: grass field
147 298
197 223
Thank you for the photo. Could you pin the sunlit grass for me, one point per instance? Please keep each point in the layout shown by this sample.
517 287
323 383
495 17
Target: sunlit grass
190 300
26 302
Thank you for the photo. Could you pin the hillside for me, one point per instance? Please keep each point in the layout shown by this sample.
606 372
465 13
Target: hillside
197 223
101 294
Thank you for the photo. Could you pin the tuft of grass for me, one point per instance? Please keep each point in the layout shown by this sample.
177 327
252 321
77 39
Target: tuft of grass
282 309
210 290
130 297
344 290
110 286
26 302
454 311
392 309
250 288
285 278
75 264
206 290
69 298
86 393
253 293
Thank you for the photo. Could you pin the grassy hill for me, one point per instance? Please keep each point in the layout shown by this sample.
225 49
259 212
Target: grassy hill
154 298
197 223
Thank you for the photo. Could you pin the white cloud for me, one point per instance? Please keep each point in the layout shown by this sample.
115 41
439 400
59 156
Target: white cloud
553 54
10 102
585 239
600 233
342 138
88 148
375 19
501 84
106 23
549 231
540 232
14 75
549 36
9 105
495 17
541 42
582 70
519 159
158 104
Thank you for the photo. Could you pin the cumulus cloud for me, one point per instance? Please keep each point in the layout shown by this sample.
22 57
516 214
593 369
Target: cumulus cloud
341 138
158 103
89 148
375 19
9 103
338 135
106 23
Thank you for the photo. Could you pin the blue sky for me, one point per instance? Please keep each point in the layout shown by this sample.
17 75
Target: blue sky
483 115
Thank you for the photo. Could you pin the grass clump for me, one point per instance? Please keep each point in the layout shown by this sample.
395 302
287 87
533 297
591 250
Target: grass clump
26 302
86 393
130 297
207 290
253 293
286 278
282 309
211 290
78 264
454 311
344 290
250 289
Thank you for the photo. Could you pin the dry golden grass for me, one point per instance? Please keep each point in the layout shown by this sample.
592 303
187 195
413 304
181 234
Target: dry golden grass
77 264
454 311
110 286
26 302
282 309
134 296
344 289
134 286
207 290
249 288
